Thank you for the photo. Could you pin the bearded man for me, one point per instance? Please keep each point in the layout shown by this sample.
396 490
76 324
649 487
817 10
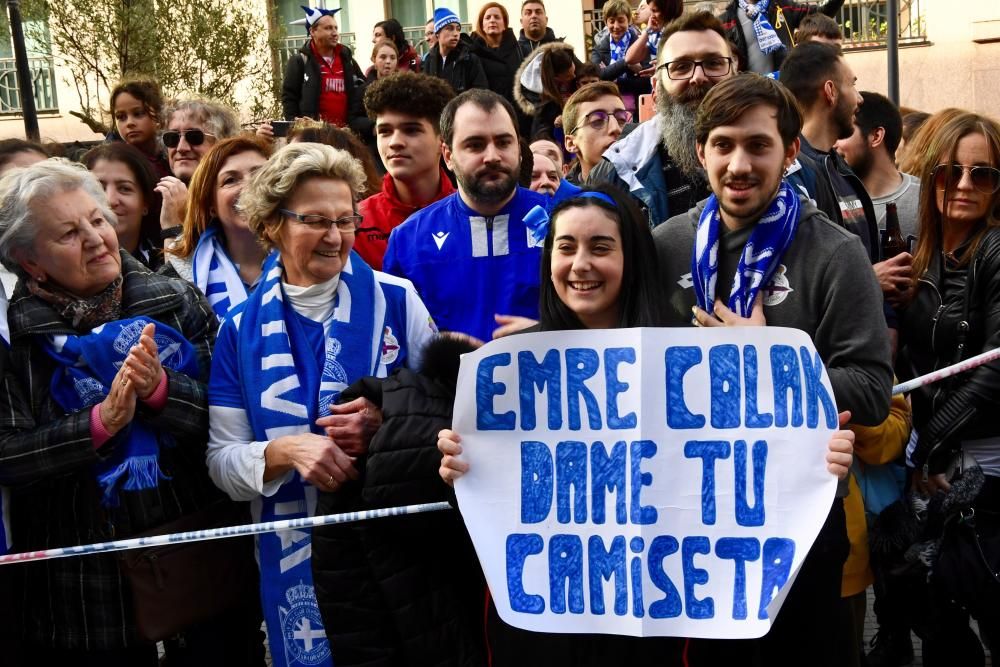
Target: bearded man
826 89
470 255
657 162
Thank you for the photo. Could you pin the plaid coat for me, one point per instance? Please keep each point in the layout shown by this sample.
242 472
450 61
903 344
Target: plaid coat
47 458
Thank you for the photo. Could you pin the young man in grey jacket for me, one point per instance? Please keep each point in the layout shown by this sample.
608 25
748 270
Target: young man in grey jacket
755 252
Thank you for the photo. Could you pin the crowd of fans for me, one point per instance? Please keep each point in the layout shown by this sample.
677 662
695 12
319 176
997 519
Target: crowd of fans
203 324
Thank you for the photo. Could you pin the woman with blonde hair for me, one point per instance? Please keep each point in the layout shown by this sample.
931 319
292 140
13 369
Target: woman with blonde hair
319 320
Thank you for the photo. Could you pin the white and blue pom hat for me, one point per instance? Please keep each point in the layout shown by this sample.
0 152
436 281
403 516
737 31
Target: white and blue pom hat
314 14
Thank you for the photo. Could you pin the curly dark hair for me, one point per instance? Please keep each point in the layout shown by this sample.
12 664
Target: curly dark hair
419 95
146 90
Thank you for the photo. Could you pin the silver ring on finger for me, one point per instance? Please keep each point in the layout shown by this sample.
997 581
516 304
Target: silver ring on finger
331 481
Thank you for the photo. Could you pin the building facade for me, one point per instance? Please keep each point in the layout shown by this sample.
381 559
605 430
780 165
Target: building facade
949 55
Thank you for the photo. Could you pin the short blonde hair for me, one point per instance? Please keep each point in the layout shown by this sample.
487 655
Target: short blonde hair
276 182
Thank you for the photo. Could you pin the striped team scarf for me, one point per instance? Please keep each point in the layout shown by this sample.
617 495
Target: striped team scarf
770 238
287 385
215 274
767 38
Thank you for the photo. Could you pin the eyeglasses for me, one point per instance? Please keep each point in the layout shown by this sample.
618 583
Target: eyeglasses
598 120
172 139
984 179
347 224
680 70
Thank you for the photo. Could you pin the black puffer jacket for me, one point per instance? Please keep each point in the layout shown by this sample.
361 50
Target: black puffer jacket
405 590
462 68
963 407
500 63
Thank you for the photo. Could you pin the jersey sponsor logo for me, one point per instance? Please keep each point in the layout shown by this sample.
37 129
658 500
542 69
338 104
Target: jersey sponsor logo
440 238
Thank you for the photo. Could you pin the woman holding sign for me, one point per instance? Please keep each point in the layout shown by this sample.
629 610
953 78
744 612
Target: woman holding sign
602 273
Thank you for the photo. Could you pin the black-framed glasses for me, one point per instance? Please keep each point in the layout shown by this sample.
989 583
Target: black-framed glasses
681 70
347 224
598 120
984 179
172 138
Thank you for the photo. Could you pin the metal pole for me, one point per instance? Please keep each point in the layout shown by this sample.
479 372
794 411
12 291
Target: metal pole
24 83
892 48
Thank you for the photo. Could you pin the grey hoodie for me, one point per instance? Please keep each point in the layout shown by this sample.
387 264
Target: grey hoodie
825 287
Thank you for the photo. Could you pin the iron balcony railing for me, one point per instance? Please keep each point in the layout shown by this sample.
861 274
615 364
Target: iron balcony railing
865 24
43 78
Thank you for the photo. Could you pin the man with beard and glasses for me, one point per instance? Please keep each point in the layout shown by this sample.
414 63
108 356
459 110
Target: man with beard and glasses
825 87
657 163
471 255
758 253
878 129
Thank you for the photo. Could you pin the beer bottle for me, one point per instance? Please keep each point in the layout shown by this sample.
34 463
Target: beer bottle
893 242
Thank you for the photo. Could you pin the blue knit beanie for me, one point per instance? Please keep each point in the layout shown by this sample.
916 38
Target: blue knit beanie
444 16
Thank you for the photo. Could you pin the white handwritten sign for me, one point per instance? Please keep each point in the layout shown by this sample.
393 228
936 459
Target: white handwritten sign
645 481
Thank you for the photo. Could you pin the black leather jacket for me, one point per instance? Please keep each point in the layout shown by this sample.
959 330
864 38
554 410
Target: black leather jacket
963 407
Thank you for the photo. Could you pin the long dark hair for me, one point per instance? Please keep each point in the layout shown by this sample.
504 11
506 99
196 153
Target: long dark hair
641 299
393 31
142 171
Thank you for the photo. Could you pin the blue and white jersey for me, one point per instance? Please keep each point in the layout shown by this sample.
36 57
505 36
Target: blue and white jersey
468 267
235 458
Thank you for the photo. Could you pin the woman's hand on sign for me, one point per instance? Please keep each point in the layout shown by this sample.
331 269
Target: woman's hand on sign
511 324
351 425
315 457
840 449
451 466
724 317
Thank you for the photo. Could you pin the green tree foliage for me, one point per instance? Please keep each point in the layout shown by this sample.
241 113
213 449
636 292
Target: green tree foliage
217 48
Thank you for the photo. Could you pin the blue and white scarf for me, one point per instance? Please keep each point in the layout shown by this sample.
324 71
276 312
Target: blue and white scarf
770 238
287 385
86 367
767 38
653 43
215 274
619 48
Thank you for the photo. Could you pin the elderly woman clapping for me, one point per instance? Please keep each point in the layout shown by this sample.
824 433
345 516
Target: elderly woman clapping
318 320
104 410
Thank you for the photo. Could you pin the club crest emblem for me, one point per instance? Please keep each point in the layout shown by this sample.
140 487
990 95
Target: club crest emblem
302 627
778 289
390 346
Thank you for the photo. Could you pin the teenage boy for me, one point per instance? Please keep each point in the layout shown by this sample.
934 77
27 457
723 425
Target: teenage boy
405 108
803 272
593 119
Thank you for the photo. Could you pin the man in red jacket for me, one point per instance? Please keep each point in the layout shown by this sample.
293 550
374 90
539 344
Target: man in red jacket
405 108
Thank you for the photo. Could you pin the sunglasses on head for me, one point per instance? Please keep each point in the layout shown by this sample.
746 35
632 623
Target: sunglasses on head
984 179
172 138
